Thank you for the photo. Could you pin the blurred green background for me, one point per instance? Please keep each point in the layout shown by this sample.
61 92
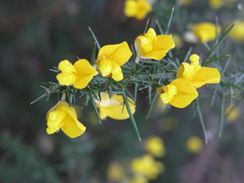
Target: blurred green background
35 35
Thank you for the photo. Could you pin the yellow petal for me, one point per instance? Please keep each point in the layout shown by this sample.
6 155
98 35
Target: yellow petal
206 75
130 8
117 74
186 93
105 67
118 53
188 71
71 126
122 54
206 31
68 74
164 42
150 45
66 78
114 107
66 66
85 73
84 67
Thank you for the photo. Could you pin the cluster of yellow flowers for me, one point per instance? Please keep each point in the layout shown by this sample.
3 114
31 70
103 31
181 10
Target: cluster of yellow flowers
179 93
143 168
182 91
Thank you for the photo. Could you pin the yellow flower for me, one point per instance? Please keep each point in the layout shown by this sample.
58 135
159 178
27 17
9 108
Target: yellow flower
232 113
216 4
79 74
137 8
155 146
198 75
237 33
179 93
115 172
63 116
185 2
147 166
151 46
206 31
194 144
114 107
111 57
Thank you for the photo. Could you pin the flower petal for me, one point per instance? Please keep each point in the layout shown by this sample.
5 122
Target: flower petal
117 73
71 126
84 68
122 54
206 75
105 67
164 42
114 107
85 73
186 93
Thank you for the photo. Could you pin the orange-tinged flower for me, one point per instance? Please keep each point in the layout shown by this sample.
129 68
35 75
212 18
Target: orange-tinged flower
111 57
137 8
79 74
151 46
63 116
114 107
179 93
198 75
206 31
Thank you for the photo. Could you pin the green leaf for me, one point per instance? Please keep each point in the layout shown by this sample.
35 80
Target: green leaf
130 113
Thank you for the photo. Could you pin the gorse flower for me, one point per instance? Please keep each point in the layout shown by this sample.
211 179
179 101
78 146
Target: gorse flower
115 171
137 8
179 93
63 116
114 107
237 33
111 57
147 166
198 75
151 46
206 31
232 113
79 74
194 144
155 146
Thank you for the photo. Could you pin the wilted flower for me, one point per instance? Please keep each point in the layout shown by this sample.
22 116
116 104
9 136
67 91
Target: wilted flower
151 46
155 146
198 75
179 93
194 144
137 8
147 166
237 33
114 107
111 57
63 116
206 31
79 74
